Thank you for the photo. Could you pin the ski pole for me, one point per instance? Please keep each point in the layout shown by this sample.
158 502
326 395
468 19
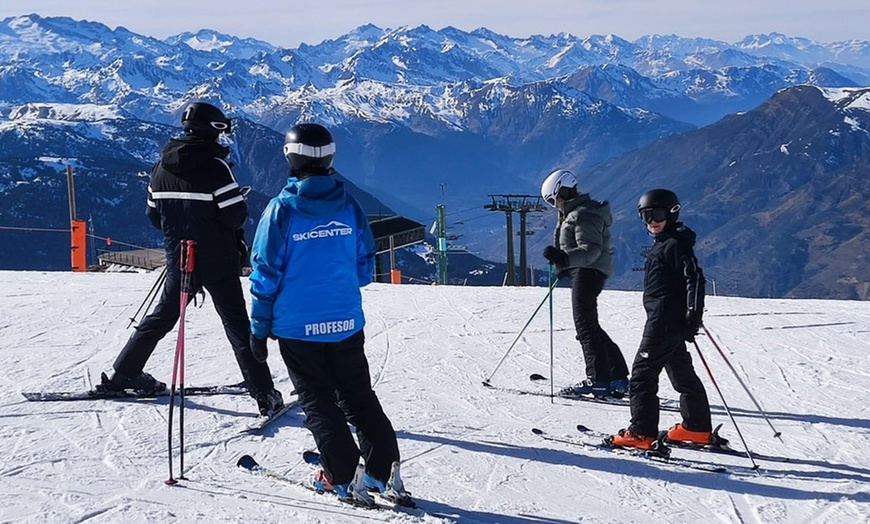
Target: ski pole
776 433
550 297
149 298
520 334
181 402
710 373
187 262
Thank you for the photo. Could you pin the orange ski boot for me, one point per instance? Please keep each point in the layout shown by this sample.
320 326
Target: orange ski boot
627 439
680 434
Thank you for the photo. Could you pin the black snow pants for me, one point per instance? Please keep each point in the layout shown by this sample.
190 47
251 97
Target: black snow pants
334 387
604 360
229 302
672 356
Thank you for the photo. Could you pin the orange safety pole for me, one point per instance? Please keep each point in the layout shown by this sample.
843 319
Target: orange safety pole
78 228
396 276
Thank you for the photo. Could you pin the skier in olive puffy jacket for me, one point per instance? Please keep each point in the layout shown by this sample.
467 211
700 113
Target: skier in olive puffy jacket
584 253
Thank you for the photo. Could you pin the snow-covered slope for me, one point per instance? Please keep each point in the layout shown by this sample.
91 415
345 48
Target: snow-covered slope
468 451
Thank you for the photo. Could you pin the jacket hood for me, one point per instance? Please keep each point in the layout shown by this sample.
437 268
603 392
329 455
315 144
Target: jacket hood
583 203
189 153
315 195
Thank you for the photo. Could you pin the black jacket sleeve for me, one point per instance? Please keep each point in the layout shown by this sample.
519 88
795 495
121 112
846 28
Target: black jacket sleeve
232 208
695 287
151 210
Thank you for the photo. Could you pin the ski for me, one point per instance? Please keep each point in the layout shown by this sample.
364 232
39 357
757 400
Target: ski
263 423
613 401
617 401
719 446
249 465
312 458
95 394
665 404
661 456
516 391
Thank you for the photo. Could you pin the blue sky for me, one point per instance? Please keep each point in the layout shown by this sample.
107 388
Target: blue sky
288 23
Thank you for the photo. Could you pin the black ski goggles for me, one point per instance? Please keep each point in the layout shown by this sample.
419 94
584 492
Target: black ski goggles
653 214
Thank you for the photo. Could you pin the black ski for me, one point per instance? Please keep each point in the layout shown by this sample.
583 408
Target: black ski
263 423
94 394
665 404
516 391
618 401
719 446
660 455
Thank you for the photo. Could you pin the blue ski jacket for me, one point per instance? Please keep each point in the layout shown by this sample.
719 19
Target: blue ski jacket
312 253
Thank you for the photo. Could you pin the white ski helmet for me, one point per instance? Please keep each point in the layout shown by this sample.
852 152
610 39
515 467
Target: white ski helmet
561 182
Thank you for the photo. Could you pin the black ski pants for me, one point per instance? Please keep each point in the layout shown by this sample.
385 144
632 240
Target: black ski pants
604 360
229 302
334 387
672 356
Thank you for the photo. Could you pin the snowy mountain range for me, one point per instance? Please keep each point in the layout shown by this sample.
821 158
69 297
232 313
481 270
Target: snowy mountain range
414 110
393 71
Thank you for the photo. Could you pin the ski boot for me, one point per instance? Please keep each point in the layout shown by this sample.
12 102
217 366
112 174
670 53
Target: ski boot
358 495
269 403
619 387
143 382
393 489
321 484
678 433
586 387
626 439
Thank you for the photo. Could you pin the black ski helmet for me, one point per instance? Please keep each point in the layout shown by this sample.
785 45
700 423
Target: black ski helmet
309 149
659 204
205 120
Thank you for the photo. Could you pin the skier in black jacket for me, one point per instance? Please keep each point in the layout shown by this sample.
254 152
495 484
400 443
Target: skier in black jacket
193 195
673 297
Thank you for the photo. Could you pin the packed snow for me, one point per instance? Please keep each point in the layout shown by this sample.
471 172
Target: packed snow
468 452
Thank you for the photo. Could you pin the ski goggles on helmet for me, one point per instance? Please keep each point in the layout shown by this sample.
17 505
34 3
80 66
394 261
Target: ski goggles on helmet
223 127
654 214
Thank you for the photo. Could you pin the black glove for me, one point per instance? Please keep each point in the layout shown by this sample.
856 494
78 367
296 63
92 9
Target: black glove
563 273
556 256
259 349
693 324
244 252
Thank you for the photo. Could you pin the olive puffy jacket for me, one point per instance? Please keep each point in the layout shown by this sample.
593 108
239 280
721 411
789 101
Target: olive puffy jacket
584 234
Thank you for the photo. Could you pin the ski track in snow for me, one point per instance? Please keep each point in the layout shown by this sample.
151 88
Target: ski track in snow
467 450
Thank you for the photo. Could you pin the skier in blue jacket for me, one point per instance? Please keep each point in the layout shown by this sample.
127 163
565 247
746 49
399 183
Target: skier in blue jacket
312 253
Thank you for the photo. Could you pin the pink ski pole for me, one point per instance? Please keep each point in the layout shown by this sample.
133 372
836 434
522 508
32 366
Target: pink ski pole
187 262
